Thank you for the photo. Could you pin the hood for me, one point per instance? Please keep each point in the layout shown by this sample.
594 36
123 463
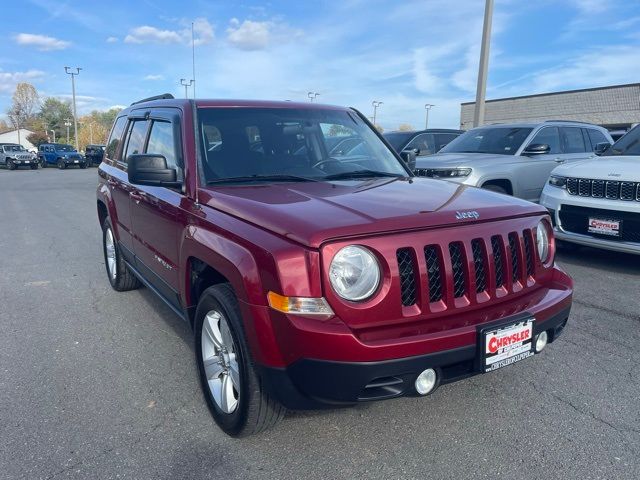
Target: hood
603 168
454 160
312 213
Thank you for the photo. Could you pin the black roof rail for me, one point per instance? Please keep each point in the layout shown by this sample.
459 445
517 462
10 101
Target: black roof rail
164 96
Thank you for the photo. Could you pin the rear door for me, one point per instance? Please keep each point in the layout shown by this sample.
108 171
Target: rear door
156 212
535 169
574 145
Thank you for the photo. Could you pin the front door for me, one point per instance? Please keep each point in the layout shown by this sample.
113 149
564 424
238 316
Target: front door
156 212
535 169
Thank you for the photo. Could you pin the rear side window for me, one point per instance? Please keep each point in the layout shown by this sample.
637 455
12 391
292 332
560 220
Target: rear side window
548 136
113 144
442 139
137 136
162 142
596 137
573 140
425 143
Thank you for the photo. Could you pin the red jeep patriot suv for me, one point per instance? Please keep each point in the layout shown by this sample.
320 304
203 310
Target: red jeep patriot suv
314 269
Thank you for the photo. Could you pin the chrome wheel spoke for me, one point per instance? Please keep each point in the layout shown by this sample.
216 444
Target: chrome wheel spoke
212 330
228 397
213 368
234 371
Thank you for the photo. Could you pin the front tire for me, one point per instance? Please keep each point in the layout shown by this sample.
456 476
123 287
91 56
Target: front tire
61 164
34 166
232 389
11 165
120 277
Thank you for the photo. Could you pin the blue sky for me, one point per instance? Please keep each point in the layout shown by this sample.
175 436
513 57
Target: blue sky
404 53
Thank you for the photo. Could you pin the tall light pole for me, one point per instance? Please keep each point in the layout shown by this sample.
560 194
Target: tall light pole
375 105
67 124
312 96
184 83
481 90
69 71
54 135
427 107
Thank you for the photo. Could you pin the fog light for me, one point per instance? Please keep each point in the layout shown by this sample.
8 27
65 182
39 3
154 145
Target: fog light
426 381
541 341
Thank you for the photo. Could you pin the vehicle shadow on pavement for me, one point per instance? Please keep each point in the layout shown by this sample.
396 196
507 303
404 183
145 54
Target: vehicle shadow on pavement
600 259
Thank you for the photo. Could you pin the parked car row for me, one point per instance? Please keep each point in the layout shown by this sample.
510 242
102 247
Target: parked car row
60 155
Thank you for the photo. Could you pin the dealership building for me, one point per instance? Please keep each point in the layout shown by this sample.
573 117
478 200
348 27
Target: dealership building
616 107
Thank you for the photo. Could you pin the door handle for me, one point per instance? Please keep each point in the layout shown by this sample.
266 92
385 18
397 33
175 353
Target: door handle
559 160
135 197
111 182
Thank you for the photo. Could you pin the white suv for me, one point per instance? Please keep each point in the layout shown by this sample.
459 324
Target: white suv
597 202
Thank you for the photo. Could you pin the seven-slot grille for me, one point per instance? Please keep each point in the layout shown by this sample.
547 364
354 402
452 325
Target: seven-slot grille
511 259
610 189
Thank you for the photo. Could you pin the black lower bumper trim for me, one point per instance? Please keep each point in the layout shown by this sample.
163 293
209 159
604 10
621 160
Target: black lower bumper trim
311 383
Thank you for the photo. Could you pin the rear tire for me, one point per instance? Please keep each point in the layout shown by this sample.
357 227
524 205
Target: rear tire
495 188
43 163
120 277
240 406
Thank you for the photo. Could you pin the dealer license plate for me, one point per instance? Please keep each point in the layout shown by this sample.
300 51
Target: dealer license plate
507 344
605 227
75 161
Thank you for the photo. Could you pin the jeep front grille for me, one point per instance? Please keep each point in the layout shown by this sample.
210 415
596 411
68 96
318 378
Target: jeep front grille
609 189
479 267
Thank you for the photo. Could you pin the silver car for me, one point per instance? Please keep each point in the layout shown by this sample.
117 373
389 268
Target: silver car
514 159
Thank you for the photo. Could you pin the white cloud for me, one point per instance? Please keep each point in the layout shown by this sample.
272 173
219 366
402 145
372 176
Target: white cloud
249 35
8 80
41 42
202 32
147 34
154 77
112 39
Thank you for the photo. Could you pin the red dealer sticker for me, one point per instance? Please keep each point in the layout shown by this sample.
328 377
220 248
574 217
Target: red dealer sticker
604 227
506 345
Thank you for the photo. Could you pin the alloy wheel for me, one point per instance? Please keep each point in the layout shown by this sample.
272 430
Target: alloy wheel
220 361
110 251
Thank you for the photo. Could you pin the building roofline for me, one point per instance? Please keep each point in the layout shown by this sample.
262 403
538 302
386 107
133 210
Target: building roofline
609 87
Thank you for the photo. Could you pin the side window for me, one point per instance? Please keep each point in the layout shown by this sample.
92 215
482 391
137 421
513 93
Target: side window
136 138
596 137
548 136
115 138
425 143
573 140
161 142
443 139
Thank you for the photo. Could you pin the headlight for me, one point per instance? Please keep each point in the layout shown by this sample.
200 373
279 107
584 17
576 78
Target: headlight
354 273
448 172
542 240
558 181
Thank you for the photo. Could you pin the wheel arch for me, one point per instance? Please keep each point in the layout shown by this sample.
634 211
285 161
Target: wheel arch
501 182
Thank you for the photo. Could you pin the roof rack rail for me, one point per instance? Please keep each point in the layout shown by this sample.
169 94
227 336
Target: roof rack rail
164 96
567 121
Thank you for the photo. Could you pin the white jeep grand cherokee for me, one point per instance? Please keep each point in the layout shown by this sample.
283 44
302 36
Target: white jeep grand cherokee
597 202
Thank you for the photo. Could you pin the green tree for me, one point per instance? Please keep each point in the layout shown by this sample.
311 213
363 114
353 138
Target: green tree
53 114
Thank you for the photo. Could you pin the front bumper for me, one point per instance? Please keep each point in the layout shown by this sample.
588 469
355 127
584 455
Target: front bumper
312 383
554 199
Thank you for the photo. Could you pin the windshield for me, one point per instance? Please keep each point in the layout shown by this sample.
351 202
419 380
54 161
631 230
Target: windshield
629 144
288 144
398 139
14 148
64 148
496 140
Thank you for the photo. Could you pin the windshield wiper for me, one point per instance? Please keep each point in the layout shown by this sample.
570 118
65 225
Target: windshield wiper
361 174
261 178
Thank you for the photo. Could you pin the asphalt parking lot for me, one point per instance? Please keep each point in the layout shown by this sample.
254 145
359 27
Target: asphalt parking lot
99 384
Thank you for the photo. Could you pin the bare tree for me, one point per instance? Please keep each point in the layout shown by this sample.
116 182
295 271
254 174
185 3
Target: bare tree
25 104
405 127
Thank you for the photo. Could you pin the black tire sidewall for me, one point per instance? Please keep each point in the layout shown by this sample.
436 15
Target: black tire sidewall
212 299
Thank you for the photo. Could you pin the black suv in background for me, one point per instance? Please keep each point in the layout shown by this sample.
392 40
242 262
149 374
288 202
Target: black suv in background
422 142
93 154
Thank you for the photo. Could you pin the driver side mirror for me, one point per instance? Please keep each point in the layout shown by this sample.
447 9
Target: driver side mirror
537 149
601 148
409 157
151 169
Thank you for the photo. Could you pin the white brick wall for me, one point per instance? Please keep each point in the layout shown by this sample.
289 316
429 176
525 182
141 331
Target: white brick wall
607 106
